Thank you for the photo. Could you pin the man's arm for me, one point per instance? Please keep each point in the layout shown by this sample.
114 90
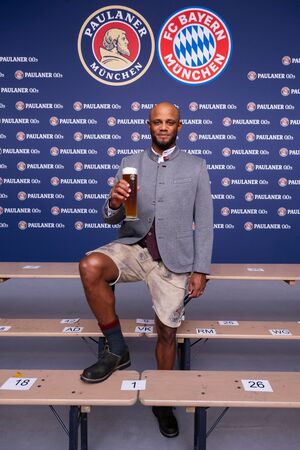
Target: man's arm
203 218
203 235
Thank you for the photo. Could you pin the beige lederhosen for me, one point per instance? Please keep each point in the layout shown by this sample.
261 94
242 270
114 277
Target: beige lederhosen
167 288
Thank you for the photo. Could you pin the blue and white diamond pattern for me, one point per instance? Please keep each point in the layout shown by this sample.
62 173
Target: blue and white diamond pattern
194 46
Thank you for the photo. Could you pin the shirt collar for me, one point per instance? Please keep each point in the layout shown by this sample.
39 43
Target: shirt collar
165 153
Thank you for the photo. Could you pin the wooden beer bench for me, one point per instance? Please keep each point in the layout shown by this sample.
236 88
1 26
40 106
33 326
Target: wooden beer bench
59 328
82 328
196 391
64 387
189 329
16 270
53 327
200 329
290 273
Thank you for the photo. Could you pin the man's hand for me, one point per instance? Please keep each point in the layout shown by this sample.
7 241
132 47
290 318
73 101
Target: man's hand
197 284
119 194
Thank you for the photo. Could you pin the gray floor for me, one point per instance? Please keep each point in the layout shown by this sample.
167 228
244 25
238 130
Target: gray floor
25 428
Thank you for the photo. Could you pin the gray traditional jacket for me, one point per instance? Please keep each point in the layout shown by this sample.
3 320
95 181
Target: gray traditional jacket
176 193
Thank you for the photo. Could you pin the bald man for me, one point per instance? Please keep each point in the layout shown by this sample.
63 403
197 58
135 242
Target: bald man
169 248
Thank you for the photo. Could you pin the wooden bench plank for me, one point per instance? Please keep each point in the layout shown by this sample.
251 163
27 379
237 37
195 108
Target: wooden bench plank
269 330
220 271
64 387
284 272
39 270
219 389
54 328
245 330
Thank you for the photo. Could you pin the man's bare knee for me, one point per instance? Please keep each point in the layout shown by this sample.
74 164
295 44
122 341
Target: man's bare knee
165 334
97 266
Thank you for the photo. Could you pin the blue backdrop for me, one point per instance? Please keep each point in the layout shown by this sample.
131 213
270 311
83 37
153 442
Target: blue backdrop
64 131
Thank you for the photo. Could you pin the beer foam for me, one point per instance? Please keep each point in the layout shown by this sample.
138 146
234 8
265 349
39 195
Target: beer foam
129 171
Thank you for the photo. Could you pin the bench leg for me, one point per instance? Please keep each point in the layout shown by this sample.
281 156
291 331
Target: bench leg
76 418
200 429
84 431
184 349
74 415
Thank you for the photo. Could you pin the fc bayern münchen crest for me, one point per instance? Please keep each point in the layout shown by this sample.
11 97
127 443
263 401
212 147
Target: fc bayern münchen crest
194 45
116 45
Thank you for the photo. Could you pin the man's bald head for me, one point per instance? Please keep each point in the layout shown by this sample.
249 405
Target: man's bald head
166 108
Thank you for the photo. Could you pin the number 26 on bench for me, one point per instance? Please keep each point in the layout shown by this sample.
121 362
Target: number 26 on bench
257 385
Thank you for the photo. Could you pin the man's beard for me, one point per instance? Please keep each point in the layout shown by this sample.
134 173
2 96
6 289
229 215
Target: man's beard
163 145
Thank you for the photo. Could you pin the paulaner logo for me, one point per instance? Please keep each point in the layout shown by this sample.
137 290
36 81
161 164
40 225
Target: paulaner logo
194 45
116 45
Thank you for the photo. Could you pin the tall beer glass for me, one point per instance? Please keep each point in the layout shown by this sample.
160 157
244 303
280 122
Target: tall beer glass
130 175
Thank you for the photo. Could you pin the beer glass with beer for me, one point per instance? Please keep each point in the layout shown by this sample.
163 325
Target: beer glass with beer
130 175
